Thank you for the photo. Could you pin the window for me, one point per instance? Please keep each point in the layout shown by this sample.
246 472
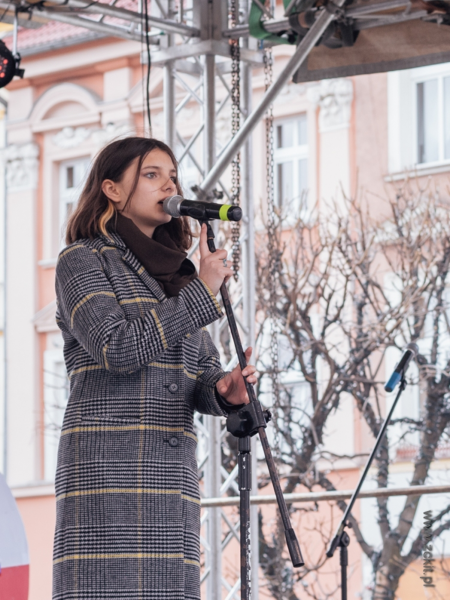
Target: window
419 121
56 394
72 175
433 119
291 162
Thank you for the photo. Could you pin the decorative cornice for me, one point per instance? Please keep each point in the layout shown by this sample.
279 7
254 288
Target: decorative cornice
334 97
22 166
291 93
71 137
110 132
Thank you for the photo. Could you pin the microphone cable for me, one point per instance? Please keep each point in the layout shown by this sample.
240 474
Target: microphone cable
145 32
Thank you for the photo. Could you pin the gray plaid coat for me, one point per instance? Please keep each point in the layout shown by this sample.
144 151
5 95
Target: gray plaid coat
128 502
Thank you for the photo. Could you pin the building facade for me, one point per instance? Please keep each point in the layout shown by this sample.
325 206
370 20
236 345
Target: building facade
335 138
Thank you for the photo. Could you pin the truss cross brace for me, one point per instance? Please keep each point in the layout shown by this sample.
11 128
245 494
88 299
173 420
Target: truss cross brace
303 49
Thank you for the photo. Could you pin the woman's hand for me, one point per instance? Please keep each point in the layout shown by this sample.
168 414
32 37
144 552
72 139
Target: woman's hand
232 386
212 269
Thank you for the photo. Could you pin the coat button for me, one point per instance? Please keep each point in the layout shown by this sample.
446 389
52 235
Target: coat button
173 442
173 388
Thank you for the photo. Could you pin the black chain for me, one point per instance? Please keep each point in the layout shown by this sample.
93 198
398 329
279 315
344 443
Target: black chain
235 124
273 258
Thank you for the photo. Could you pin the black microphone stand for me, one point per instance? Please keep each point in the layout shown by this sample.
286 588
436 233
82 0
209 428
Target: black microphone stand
341 539
243 424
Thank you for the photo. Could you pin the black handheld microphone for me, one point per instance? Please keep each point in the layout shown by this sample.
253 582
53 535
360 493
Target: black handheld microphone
177 206
410 352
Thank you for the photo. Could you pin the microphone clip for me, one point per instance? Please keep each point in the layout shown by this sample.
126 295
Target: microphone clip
209 234
247 420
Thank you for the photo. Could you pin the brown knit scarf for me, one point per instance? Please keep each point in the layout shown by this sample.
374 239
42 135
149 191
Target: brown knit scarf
160 256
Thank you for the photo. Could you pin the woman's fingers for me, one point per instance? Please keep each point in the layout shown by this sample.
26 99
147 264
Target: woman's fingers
220 254
204 250
250 370
213 268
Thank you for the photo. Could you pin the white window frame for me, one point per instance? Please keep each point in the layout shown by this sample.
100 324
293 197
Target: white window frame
296 152
69 195
403 122
421 76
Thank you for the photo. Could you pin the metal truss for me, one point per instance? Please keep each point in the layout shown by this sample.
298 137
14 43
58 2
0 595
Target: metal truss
108 19
366 15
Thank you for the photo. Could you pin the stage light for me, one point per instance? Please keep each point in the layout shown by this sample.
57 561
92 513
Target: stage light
9 65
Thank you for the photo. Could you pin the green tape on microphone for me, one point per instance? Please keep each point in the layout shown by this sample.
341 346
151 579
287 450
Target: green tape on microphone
223 212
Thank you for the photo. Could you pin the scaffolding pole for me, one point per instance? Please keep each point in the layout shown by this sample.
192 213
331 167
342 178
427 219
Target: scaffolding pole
248 278
169 105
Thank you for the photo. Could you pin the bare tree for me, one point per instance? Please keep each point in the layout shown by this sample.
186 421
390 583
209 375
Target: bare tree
347 287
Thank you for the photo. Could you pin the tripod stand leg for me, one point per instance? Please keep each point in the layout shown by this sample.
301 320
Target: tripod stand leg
245 478
344 563
343 555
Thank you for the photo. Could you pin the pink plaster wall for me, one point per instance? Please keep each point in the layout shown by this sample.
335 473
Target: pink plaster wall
370 136
39 517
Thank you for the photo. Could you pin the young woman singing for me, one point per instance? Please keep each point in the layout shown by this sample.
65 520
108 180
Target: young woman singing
133 312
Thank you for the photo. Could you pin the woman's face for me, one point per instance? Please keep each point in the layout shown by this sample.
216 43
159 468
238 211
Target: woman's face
157 181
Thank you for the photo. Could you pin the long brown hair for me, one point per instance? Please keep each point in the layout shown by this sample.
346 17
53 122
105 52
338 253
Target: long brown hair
94 210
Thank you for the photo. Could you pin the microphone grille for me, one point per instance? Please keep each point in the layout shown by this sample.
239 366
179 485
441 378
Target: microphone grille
171 206
413 347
